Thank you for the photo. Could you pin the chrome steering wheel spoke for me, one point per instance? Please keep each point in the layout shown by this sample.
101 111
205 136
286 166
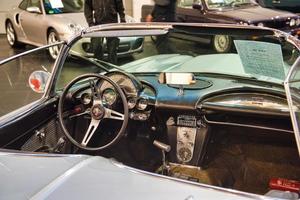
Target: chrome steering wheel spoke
90 132
86 112
111 114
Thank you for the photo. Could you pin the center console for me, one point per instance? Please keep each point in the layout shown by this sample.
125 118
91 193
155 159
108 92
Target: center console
187 136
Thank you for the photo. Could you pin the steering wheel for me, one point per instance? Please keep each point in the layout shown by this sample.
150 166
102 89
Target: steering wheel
97 111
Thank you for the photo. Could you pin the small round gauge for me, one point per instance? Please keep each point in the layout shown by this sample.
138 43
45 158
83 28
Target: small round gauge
184 154
131 103
109 96
86 98
142 104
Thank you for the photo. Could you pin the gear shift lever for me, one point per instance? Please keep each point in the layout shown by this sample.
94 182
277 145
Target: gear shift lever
164 149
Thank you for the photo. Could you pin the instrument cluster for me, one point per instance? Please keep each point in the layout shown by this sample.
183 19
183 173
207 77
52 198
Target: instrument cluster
138 98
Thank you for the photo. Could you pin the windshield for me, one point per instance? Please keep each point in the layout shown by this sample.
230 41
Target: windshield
63 6
247 54
219 4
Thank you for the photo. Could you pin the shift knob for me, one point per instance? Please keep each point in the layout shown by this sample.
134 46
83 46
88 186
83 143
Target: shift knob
162 146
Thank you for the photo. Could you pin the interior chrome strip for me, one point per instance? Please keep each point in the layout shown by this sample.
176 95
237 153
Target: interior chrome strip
246 125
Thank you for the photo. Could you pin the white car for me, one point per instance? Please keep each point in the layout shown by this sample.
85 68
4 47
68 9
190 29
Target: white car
41 22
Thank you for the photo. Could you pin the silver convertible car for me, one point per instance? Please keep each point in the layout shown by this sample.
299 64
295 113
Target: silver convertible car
41 22
175 121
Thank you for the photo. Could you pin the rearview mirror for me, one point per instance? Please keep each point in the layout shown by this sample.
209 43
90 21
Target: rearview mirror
197 6
38 81
34 9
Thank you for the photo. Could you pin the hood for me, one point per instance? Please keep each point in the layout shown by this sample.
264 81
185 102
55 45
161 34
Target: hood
257 13
157 63
184 63
68 18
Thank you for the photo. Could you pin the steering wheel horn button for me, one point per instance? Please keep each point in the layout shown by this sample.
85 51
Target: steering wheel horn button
97 112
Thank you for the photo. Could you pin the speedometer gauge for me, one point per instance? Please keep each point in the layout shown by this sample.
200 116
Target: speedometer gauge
124 81
109 96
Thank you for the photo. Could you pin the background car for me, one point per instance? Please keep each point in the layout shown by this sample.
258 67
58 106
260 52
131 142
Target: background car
244 12
177 112
288 5
38 22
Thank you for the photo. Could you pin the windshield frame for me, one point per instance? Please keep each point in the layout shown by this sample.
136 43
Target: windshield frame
287 85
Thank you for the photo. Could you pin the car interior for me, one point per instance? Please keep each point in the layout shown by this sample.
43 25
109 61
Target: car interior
168 110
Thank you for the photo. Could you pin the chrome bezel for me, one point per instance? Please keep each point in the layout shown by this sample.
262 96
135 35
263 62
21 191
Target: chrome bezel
292 22
298 22
142 106
114 98
260 24
86 98
133 104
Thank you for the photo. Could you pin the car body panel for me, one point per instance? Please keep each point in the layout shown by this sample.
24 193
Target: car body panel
80 177
179 63
288 5
60 22
29 23
255 14
248 14
251 14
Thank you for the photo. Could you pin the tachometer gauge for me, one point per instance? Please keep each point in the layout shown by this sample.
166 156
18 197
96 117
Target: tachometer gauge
131 103
109 96
86 98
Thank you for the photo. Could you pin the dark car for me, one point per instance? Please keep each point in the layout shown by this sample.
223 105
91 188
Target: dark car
288 5
244 12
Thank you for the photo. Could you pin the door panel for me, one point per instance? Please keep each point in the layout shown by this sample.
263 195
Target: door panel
31 22
22 109
18 128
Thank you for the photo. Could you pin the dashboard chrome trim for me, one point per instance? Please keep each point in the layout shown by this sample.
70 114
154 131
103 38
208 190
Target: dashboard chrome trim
246 125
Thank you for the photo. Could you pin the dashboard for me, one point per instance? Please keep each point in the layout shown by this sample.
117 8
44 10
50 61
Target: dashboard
145 92
187 116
